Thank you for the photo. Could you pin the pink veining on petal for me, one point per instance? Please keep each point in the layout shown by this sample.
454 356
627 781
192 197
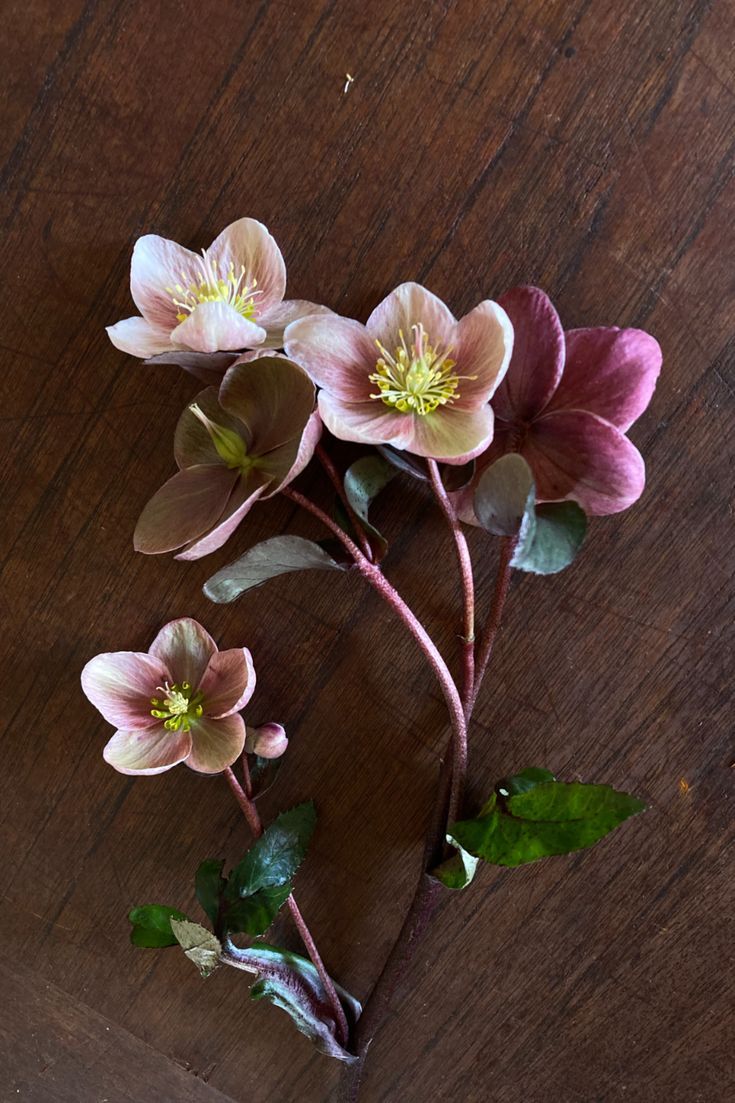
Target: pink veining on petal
452 435
277 318
370 422
147 752
157 266
185 647
216 327
484 345
138 337
228 682
338 353
408 305
121 683
537 362
247 245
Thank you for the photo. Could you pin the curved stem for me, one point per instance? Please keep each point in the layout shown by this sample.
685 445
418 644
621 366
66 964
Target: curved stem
338 483
256 827
468 582
502 583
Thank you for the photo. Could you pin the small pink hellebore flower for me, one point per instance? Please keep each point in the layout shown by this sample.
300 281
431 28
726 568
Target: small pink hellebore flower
413 377
233 448
177 703
230 297
565 404
267 741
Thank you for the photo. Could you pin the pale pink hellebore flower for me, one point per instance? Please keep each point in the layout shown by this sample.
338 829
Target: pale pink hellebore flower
566 403
413 376
176 703
231 297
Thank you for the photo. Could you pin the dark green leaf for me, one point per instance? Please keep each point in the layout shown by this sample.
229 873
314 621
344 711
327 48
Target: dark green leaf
254 914
458 871
292 983
209 884
152 925
552 817
505 497
271 558
554 541
363 482
274 858
523 781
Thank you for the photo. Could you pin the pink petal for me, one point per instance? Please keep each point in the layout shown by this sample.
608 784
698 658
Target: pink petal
610 372
209 367
370 422
538 355
246 494
248 244
121 683
408 305
278 317
184 508
157 266
575 454
338 354
147 752
186 649
452 435
272 396
217 327
228 682
484 344
216 744
138 337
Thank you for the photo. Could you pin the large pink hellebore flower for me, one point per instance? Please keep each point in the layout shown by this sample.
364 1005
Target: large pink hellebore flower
233 447
413 377
229 298
566 402
176 703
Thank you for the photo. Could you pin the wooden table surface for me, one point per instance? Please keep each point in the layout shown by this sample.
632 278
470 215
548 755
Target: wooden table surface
584 146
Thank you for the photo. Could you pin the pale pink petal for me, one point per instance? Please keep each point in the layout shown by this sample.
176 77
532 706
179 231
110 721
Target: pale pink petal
138 337
275 320
370 422
484 345
209 367
338 354
538 355
451 435
216 744
186 648
228 682
575 454
405 307
246 494
121 683
184 508
157 266
610 372
247 244
217 327
147 752
272 396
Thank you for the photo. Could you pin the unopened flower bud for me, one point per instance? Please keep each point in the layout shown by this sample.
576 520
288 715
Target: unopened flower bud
267 741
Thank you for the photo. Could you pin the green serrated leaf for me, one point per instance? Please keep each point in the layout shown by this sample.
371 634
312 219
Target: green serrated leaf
505 497
152 925
254 914
274 858
458 871
551 817
199 945
553 542
209 885
277 556
363 482
523 781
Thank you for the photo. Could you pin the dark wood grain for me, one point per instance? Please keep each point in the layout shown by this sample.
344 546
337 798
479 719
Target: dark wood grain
585 146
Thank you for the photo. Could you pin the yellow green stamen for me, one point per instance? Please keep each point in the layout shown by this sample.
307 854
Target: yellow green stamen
178 707
417 378
211 284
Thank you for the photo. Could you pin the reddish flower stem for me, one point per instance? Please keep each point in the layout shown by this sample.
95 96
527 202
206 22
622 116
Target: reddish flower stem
255 824
468 583
502 583
338 483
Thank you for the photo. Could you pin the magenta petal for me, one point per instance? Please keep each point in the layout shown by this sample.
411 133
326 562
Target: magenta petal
184 508
247 244
338 354
147 752
216 744
538 355
406 306
185 648
138 337
217 327
275 320
610 372
246 494
484 346
157 266
121 683
577 455
228 682
452 435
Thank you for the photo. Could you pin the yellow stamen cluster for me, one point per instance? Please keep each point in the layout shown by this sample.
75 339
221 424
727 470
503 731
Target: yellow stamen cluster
417 378
210 285
178 707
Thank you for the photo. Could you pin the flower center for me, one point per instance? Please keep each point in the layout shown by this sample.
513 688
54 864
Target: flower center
178 706
214 286
417 377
